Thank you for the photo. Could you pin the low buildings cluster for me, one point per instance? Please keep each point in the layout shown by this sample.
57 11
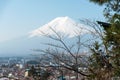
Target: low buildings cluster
11 68
31 69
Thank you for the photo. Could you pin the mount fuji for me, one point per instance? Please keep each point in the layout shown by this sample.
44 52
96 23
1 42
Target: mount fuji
64 26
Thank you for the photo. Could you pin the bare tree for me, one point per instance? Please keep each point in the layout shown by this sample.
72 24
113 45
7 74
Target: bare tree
71 56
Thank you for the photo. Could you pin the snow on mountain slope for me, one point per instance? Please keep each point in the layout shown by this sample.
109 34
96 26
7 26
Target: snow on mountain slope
62 25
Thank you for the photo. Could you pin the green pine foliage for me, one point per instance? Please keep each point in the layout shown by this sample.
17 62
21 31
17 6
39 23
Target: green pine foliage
100 2
106 66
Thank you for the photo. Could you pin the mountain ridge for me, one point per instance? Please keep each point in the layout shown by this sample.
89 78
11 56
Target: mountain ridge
65 26
62 25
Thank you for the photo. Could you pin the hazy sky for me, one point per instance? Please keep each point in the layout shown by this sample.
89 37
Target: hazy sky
19 17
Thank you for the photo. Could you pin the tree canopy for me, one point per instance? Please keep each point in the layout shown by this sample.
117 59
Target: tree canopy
109 61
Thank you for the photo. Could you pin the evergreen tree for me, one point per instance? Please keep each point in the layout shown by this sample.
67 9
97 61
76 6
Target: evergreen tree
105 64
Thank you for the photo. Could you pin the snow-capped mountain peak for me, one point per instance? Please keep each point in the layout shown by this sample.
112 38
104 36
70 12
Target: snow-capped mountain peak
62 25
